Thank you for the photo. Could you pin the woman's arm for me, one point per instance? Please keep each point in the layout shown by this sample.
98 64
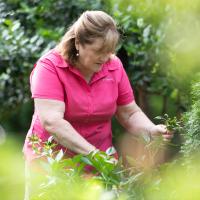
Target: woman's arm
136 122
51 115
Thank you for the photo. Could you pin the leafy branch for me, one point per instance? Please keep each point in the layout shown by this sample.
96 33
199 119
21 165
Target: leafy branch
172 124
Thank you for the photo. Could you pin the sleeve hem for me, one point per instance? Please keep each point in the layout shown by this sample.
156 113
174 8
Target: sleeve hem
47 97
127 101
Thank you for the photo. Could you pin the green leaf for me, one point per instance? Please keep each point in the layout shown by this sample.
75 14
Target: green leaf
87 161
158 117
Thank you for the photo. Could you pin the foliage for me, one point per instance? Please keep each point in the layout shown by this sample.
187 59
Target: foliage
143 40
110 180
177 181
112 176
192 125
17 51
161 58
102 162
11 169
170 181
65 172
172 124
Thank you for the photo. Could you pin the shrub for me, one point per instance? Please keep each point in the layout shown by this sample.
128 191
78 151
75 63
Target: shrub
192 124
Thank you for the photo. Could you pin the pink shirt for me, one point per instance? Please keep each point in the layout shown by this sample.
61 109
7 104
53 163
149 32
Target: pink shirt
88 107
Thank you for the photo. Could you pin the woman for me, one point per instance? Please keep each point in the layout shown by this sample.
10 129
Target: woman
80 85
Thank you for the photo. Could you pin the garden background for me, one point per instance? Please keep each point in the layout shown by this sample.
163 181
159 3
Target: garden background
159 48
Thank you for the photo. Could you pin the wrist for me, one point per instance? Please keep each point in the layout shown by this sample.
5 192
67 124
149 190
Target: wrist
150 131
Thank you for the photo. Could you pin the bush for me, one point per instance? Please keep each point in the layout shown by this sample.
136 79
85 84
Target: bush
192 124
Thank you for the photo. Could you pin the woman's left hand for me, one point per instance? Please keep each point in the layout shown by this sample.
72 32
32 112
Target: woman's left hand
161 129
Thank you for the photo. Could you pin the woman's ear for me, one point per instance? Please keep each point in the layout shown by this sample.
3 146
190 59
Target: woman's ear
77 44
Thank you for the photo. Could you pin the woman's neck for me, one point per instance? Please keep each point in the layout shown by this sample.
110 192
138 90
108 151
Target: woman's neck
86 74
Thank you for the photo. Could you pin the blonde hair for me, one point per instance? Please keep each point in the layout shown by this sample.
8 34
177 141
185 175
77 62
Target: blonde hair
89 26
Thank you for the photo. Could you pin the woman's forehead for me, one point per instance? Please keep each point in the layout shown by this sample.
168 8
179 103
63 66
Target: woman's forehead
97 43
100 45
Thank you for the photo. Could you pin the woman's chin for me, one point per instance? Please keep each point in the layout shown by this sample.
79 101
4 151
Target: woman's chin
98 67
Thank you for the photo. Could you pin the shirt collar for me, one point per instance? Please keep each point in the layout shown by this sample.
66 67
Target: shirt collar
110 65
59 61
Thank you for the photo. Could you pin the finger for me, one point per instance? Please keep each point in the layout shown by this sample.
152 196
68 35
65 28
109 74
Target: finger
167 136
170 132
162 129
162 125
165 130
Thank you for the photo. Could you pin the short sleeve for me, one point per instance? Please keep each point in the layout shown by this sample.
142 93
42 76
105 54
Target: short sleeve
125 91
45 82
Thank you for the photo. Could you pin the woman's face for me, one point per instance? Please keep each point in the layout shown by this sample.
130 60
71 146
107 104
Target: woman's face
91 58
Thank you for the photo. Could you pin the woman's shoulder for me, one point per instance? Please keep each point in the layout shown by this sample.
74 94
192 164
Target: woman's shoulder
53 58
114 63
